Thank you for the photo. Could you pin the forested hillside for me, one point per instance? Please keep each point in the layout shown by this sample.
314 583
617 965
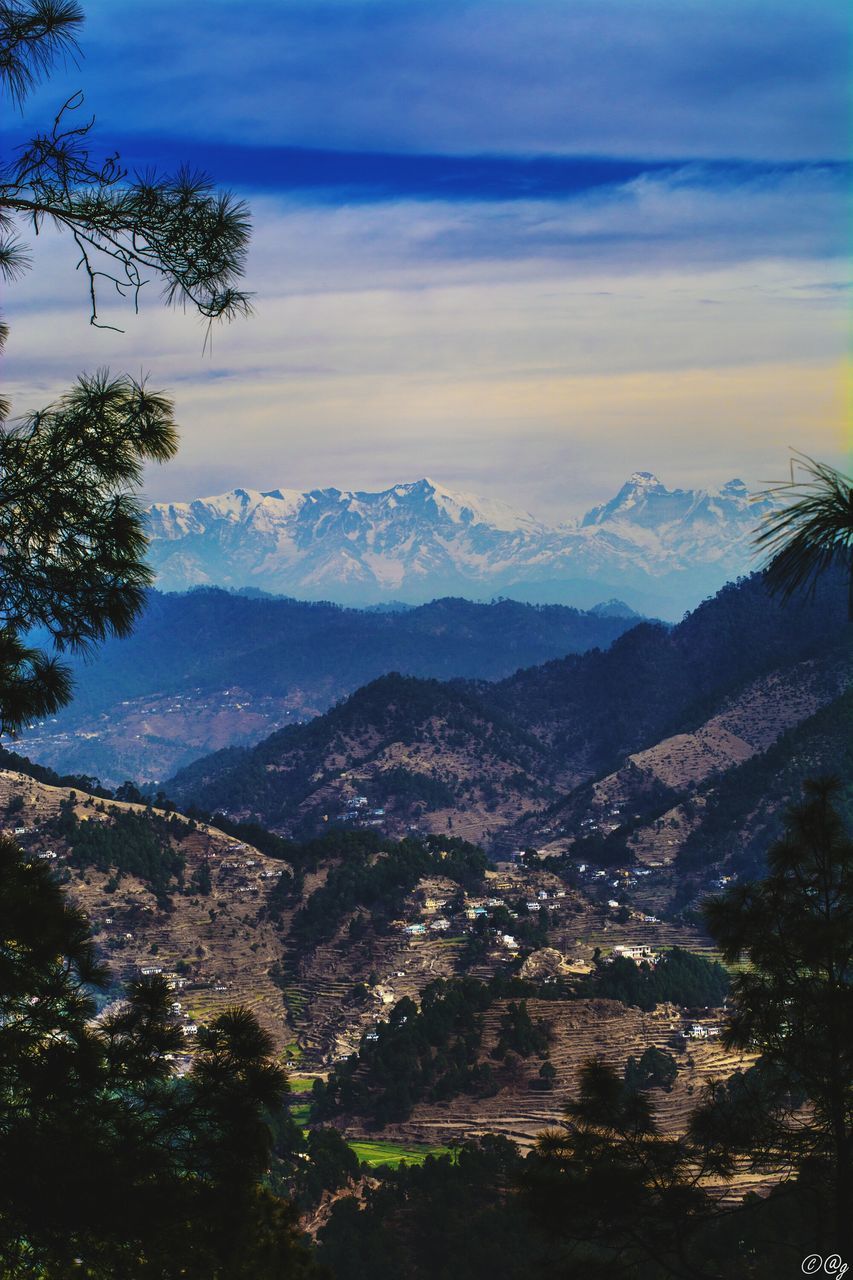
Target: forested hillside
211 668
669 707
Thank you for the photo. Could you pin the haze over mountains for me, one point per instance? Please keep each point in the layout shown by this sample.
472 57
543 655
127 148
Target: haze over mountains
662 550
210 668
661 713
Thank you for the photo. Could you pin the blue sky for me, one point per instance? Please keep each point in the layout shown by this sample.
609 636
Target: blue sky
521 246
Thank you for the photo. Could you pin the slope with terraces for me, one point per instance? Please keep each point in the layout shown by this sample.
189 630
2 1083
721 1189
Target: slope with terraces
581 1030
218 946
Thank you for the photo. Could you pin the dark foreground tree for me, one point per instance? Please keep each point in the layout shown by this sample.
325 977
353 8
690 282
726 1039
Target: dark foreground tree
811 532
793 1004
70 527
110 1163
72 532
627 1201
127 228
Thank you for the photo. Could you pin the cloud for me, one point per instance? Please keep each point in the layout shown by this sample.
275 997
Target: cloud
374 357
524 246
671 79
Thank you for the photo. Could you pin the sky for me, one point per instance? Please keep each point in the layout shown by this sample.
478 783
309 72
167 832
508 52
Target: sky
524 247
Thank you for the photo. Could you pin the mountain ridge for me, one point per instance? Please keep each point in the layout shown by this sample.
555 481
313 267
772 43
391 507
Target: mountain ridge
495 757
419 540
147 704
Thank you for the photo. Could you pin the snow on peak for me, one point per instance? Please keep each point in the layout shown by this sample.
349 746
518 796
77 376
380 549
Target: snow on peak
421 539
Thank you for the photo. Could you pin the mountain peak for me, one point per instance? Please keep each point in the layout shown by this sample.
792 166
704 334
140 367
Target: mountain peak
421 539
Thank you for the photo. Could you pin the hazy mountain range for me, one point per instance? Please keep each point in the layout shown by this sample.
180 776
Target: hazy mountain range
662 550
209 668
661 712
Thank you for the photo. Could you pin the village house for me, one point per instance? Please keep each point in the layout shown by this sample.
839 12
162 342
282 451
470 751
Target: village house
639 953
432 904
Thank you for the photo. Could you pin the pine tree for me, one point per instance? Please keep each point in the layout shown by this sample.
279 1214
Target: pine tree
111 1164
70 525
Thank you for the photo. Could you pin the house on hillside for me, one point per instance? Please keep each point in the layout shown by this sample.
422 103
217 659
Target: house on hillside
639 953
433 904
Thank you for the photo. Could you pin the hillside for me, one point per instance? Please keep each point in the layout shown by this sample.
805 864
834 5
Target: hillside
659 713
327 939
210 669
208 935
401 749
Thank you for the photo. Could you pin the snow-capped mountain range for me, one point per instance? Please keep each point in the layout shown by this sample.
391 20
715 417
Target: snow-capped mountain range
662 550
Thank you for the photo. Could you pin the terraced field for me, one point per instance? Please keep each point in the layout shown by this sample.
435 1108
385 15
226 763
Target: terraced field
375 1153
220 945
583 1029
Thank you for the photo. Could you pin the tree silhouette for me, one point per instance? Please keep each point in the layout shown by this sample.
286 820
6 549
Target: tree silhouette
631 1201
179 228
811 532
794 1005
70 525
111 1164
72 532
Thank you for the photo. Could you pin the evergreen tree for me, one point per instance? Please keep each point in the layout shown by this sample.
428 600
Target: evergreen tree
793 1004
637 1203
111 1164
812 532
70 526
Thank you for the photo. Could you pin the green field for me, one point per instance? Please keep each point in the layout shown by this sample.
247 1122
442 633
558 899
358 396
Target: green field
300 1113
376 1153
300 1084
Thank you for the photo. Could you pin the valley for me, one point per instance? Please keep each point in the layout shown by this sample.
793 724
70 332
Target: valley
444 898
148 704
219 938
616 753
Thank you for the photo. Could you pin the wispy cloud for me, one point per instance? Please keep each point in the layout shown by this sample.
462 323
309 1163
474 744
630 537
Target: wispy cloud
521 245
759 79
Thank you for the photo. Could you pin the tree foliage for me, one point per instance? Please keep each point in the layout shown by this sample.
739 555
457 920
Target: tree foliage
72 532
128 228
679 977
110 1164
70 524
812 531
453 1216
639 1203
794 1005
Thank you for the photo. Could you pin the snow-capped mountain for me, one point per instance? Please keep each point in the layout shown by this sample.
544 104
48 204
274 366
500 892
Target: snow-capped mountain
660 549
